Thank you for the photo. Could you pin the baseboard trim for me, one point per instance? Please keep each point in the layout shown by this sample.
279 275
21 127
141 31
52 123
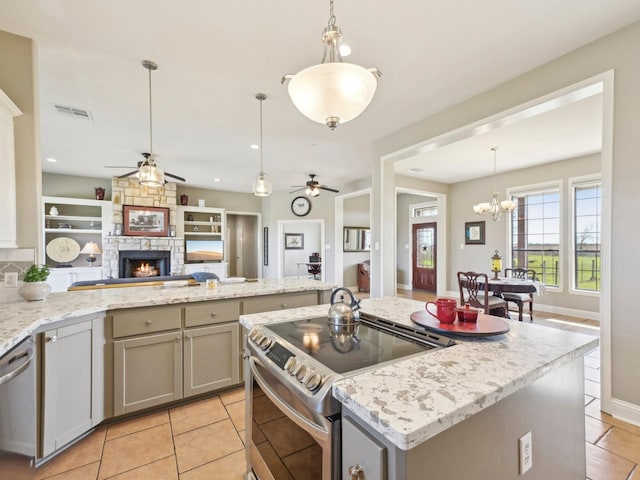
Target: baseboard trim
404 286
625 411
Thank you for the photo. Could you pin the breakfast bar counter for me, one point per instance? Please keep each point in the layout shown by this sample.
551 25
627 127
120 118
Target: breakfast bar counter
20 318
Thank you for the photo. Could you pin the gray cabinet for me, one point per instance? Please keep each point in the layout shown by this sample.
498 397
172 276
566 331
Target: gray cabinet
268 303
147 371
211 358
72 382
363 457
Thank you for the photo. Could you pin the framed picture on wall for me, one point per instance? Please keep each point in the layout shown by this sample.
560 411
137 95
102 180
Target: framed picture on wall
294 241
146 221
474 233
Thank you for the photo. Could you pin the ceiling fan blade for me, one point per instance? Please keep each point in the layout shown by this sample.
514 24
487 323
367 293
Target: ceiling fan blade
323 187
127 174
299 189
174 176
117 166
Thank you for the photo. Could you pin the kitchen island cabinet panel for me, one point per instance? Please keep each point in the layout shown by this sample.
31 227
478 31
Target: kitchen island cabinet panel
362 453
209 313
147 371
146 320
211 358
73 382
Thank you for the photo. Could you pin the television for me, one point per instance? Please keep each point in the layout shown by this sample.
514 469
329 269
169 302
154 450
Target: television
204 251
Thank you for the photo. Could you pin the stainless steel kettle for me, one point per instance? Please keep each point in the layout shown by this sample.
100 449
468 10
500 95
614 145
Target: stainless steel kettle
341 312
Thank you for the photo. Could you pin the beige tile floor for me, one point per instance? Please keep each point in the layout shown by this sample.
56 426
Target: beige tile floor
204 439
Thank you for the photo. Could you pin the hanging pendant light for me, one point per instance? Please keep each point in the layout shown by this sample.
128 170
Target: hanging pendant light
150 173
332 92
262 185
494 208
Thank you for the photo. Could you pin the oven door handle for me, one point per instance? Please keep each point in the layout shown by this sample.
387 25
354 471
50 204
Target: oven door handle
317 431
26 351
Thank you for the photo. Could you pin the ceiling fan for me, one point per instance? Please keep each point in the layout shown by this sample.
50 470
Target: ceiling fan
312 187
148 160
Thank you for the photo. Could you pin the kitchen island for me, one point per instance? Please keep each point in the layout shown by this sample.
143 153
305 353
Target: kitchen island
20 318
459 412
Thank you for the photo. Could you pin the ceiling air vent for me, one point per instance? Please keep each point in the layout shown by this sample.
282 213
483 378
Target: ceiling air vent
74 112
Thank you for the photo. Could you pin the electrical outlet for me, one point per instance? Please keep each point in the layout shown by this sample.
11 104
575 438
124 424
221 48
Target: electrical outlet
526 453
11 279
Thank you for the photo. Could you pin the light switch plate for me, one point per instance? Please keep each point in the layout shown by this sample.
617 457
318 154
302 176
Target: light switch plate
11 279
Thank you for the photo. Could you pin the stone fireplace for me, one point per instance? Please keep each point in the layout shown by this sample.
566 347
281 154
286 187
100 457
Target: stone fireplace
127 191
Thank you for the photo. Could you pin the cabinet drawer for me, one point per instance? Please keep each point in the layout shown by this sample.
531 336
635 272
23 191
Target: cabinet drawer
211 312
146 320
270 303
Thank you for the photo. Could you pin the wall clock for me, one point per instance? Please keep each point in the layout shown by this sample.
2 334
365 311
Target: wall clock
301 206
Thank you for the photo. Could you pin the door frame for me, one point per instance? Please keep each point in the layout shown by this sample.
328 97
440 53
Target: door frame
338 274
280 244
258 237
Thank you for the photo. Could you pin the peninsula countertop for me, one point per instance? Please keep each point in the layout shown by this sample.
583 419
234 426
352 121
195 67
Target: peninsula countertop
412 400
19 318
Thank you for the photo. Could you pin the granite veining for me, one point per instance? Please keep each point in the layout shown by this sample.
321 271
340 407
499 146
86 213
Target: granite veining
412 400
19 318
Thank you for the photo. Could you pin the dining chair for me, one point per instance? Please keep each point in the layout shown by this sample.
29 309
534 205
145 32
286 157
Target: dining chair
474 289
314 270
520 298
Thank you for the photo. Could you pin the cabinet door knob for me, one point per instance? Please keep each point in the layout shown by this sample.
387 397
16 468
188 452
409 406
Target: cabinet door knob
283 305
52 339
213 314
356 472
148 323
178 338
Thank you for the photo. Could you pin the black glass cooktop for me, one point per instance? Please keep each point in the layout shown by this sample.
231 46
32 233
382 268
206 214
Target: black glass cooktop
345 353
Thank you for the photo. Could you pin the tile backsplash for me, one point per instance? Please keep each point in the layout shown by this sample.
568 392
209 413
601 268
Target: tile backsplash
16 260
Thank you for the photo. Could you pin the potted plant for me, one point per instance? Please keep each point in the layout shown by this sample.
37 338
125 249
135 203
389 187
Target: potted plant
35 286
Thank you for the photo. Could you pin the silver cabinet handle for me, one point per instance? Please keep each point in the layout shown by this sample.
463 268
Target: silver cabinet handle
188 337
283 305
148 323
213 314
52 339
178 338
356 472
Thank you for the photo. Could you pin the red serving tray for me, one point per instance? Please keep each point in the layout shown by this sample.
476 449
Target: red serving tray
485 326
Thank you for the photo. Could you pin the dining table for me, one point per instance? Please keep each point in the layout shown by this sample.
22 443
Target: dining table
512 285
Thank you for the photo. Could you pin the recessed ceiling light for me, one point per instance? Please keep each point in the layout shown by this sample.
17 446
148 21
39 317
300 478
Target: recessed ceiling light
216 179
255 147
415 170
345 50
52 160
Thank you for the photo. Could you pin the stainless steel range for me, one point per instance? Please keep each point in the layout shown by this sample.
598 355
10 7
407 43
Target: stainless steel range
290 368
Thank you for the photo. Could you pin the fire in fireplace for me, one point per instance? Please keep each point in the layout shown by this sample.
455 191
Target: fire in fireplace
144 263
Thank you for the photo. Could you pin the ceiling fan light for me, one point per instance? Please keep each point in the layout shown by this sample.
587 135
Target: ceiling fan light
262 186
331 91
151 176
315 192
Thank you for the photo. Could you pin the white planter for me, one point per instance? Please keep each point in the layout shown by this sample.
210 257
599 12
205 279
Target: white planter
34 290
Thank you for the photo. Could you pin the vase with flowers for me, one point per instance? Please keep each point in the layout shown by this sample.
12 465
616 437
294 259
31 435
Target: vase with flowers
35 286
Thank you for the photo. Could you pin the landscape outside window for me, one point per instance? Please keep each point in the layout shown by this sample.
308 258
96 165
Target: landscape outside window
587 198
535 234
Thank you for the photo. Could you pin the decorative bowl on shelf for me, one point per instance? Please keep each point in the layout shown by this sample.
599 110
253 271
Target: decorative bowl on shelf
64 225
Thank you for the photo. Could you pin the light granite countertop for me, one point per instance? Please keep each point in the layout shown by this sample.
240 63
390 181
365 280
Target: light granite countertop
412 400
19 318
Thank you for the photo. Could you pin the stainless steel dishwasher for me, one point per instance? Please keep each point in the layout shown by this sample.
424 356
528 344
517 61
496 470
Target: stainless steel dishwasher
18 403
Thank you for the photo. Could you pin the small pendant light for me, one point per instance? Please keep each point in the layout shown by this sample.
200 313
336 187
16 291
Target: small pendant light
262 185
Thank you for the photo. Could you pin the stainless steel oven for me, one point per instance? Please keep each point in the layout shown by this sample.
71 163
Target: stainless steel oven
293 422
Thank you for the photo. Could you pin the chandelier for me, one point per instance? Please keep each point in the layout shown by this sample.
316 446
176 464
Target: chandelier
494 208
262 184
332 92
150 173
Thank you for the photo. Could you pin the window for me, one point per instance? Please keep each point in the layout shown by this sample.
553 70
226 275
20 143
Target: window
535 233
425 211
587 205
